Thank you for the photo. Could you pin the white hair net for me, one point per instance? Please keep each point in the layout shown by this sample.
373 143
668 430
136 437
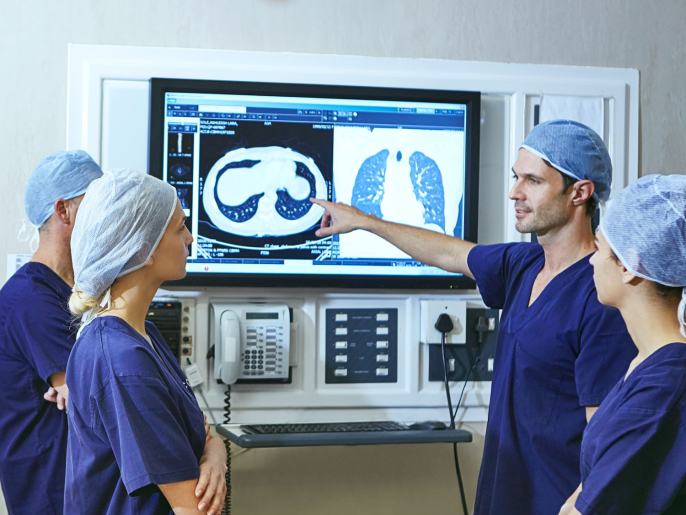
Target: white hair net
119 224
645 226
63 175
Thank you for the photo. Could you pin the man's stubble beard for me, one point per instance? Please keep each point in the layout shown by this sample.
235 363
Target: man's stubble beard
543 219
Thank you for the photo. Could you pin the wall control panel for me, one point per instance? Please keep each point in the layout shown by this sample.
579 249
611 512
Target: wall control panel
361 346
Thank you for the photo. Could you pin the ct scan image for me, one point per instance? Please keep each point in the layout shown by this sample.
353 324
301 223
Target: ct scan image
255 184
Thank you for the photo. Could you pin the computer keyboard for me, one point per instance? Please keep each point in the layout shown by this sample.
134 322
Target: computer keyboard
339 427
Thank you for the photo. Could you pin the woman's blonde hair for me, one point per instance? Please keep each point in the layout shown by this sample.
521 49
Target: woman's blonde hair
84 307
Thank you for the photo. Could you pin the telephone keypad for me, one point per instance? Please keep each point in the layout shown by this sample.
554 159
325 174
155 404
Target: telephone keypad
265 351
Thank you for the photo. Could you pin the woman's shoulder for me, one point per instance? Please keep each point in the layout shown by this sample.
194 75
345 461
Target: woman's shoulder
118 348
660 384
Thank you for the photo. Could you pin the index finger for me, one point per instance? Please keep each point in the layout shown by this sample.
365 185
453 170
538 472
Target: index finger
209 494
320 202
203 481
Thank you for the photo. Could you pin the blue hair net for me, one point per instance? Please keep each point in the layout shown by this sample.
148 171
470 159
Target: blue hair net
64 175
575 150
645 226
118 226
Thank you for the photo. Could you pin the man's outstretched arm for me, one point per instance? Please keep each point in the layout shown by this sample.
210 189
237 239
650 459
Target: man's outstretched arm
429 247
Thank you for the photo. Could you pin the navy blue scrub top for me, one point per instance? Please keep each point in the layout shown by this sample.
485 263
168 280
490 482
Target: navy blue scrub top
134 422
633 455
35 341
564 352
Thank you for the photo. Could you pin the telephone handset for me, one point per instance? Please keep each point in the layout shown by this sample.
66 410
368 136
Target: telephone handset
229 364
251 341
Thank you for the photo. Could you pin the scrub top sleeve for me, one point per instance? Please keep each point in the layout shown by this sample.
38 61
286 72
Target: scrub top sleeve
606 349
639 468
490 266
41 327
145 430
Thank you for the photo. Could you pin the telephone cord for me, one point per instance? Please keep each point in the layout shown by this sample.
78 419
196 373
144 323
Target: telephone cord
226 510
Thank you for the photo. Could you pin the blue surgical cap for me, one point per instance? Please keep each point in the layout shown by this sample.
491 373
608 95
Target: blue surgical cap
64 175
645 226
575 150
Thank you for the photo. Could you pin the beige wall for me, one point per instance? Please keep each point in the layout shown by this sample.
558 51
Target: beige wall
616 33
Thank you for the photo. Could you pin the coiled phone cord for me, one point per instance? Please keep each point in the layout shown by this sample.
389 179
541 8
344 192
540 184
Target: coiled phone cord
226 510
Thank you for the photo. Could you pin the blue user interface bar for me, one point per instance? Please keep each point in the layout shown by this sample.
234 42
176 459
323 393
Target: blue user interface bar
317 111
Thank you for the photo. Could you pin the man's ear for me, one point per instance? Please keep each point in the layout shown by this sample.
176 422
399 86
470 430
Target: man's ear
62 208
583 190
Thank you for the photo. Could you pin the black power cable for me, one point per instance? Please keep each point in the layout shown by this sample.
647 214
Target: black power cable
466 379
444 325
481 328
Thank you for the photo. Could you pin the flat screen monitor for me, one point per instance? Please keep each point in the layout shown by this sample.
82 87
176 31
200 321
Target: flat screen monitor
245 158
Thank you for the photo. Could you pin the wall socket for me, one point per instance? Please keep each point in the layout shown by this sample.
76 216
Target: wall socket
460 357
430 310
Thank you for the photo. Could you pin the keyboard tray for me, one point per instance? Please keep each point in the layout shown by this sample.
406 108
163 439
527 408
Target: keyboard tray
253 441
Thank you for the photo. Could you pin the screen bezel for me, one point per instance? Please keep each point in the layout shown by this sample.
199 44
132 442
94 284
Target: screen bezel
160 86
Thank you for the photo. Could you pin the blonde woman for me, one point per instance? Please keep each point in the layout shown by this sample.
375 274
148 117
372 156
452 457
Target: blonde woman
138 443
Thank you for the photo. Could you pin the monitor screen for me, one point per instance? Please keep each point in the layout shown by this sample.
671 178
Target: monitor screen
245 158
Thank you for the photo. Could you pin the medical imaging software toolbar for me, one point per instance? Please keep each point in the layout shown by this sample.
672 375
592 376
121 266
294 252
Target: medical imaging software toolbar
245 167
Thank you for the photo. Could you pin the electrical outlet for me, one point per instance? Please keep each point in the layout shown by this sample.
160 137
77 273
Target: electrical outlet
461 357
430 310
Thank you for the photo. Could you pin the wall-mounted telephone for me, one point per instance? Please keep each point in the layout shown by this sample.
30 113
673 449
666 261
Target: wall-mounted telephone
251 342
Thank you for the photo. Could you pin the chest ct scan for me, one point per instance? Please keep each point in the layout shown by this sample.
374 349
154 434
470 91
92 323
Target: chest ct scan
264 191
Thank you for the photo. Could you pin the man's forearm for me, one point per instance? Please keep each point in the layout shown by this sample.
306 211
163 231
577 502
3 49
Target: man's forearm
429 247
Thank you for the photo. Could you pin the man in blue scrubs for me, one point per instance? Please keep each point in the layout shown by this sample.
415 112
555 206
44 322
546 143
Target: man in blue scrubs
36 338
559 350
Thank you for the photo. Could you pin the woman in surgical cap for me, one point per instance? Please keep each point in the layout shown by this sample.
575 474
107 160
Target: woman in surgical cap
633 454
138 443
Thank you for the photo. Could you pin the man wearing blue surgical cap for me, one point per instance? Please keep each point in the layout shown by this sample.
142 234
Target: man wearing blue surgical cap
36 338
559 350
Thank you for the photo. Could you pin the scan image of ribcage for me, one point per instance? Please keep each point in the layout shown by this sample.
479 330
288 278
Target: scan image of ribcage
424 174
263 191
